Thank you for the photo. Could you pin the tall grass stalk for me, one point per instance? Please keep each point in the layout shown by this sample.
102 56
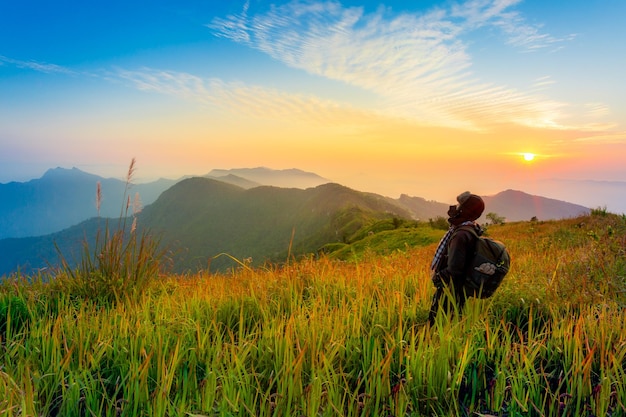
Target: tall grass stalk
121 261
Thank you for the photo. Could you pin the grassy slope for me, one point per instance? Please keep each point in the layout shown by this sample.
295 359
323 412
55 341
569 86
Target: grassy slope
207 217
332 338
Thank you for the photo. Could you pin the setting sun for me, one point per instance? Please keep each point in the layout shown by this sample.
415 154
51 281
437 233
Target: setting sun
528 156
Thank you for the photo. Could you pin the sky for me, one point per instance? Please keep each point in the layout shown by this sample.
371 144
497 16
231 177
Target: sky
425 98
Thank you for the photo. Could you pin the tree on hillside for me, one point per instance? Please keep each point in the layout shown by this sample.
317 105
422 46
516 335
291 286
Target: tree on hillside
495 218
439 222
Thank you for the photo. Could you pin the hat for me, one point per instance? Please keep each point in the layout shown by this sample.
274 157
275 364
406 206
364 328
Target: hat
471 206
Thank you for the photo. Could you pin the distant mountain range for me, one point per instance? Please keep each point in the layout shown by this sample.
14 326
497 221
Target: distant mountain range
198 218
65 197
62 198
253 177
610 195
517 205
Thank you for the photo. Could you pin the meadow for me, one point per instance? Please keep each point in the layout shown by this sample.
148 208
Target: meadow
324 337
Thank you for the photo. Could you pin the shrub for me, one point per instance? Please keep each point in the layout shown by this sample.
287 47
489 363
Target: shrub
599 211
494 218
439 222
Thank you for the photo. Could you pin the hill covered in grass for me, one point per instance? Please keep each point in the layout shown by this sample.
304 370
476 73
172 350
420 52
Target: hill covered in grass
198 219
208 217
330 337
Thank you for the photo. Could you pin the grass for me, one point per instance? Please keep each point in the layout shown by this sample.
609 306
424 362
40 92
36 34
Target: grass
121 262
323 337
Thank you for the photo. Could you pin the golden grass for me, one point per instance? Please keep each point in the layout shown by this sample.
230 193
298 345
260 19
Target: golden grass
326 338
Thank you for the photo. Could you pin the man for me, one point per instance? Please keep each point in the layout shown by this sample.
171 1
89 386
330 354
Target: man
455 250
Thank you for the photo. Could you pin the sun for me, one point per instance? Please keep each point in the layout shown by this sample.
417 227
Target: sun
528 156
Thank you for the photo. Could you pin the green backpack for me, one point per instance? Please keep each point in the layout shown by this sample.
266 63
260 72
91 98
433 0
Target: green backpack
488 266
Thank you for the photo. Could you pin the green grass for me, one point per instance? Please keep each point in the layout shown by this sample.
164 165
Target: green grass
328 337
119 264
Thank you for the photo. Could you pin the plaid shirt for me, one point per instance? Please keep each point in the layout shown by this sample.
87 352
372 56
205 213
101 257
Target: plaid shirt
443 245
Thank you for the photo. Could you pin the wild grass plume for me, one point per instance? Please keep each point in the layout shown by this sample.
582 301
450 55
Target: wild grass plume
121 262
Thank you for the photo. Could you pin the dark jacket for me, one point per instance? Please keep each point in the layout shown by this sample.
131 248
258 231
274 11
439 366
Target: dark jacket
459 252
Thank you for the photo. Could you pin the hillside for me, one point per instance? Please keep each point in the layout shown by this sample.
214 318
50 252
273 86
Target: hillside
32 254
199 218
62 198
262 223
422 209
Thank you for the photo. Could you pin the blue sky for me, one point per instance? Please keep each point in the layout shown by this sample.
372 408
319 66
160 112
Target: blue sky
379 96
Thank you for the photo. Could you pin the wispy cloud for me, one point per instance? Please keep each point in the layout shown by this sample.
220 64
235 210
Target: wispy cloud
543 83
498 13
597 110
36 66
418 64
608 138
255 101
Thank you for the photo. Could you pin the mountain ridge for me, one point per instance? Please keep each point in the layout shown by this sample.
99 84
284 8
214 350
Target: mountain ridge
288 178
62 198
65 197
199 218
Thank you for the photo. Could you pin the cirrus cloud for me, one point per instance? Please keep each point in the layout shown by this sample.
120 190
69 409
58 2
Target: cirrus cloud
418 65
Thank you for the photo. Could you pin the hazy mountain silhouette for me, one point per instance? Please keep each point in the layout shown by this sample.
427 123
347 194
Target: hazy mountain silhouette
510 204
62 198
517 205
422 209
589 193
287 178
236 180
65 197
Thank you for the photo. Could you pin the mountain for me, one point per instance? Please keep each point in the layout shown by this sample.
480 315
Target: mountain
30 254
236 180
207 217
517 205
62 198
287 178
199 218
422 209
65 197
510 204
589 193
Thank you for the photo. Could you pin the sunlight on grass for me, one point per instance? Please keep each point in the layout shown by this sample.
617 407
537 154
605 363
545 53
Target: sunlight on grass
321 337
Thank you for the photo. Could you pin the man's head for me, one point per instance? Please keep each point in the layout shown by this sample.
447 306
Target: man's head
470 207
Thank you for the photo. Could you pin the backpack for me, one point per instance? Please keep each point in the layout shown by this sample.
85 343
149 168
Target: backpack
489 265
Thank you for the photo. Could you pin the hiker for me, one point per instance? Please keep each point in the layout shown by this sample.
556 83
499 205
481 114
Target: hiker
450 263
